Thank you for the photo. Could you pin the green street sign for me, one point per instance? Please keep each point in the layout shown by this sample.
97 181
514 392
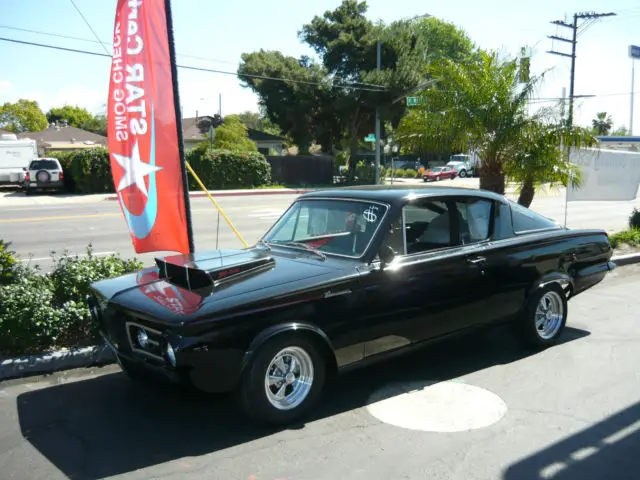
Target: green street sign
370 138
413 101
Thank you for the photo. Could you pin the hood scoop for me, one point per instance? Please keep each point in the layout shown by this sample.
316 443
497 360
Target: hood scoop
212 268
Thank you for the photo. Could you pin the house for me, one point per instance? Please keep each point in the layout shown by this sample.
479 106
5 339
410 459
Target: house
267 144
64 139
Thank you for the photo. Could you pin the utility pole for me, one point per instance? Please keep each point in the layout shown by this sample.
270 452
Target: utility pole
573 41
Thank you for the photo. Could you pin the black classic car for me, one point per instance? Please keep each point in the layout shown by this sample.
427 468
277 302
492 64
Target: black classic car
344 277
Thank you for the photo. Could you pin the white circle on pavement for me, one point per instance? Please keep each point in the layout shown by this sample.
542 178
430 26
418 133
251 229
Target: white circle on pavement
442 407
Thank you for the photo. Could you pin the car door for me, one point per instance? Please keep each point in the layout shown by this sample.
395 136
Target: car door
429 290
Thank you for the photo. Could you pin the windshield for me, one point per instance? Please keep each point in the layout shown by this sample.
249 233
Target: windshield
437 169
43 164
340 227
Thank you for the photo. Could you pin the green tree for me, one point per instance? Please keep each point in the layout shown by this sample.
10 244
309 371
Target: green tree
232 135
478 105
74 116
540 159
602 124
22 116
621 131
343 105
259 121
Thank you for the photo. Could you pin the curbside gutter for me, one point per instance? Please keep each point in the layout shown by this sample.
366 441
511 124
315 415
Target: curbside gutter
98 355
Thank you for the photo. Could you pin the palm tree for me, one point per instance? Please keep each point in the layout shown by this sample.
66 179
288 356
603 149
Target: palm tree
482 105
602 124
541 160
477 105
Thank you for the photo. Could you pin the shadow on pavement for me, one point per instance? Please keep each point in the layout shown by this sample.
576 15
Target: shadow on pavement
107 425
608 449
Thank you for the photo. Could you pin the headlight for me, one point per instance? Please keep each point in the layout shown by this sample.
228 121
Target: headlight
171 354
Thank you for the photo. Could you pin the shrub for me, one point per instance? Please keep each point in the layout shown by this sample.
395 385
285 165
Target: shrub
420 172
628 237
8 263
410 173
86 171
40 311
634 219
224 169
399 173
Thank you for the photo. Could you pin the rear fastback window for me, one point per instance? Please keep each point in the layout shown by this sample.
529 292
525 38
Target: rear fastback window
525 220
43 165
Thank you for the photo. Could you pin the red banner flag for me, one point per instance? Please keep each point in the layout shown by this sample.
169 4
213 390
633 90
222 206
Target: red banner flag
145 141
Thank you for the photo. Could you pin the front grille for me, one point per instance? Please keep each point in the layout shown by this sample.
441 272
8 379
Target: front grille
146 341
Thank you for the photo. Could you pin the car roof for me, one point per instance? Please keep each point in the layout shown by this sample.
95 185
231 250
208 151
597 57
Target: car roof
399 194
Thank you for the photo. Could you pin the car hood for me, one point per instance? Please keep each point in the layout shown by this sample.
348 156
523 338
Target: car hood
185 288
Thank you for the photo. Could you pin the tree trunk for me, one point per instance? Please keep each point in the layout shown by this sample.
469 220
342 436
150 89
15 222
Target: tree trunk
526 193
492 177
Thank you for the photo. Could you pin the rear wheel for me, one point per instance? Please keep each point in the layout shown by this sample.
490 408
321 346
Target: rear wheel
283 381
544 318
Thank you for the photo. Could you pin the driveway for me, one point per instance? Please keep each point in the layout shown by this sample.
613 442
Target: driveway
474 408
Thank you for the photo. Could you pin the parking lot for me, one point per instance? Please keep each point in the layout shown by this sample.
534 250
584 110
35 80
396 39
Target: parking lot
473 408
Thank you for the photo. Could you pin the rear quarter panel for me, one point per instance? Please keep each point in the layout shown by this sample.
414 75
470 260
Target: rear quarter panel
518 266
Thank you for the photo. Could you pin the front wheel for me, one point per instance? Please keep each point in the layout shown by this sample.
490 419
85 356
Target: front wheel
283 381
462 174
544 318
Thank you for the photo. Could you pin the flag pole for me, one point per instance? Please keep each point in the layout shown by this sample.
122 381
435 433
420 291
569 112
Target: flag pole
178 110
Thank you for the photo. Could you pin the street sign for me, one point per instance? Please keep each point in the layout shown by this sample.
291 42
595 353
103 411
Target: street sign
634 51
370 138
413 101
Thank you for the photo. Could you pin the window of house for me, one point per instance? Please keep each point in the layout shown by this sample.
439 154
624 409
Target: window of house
525 220
474 216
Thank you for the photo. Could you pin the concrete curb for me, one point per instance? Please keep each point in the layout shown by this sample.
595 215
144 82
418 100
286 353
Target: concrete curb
239 193
85 357
628 259
30 365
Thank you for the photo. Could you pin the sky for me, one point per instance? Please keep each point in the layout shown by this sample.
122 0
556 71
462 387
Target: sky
215 34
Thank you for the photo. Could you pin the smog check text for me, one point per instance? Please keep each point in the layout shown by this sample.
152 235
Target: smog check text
129 106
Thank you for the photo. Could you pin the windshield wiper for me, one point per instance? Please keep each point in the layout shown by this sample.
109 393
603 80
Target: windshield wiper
306 247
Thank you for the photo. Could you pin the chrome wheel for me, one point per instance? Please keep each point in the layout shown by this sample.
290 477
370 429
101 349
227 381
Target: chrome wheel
289 378
549 315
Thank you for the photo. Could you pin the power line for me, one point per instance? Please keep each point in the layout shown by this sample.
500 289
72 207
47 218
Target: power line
380 88
590 18
88 25
81 39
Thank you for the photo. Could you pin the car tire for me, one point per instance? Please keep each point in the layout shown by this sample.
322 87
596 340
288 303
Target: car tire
260 401
462 173
437 179
544 318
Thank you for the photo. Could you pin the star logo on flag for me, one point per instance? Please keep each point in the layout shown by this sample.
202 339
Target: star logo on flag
134 170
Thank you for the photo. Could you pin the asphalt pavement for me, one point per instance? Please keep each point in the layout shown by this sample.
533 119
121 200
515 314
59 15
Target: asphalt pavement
41 224
570 412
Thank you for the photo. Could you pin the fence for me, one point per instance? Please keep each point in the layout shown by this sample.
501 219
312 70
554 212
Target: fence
301 170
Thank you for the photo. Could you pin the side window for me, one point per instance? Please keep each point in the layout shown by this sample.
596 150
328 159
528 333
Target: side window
525 220
427 226
395 236
474 219
502 224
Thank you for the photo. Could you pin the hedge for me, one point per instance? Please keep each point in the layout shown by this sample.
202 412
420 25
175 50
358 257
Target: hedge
89 171
224 169
41 311
86 171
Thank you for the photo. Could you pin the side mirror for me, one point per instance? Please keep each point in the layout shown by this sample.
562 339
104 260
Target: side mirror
386 255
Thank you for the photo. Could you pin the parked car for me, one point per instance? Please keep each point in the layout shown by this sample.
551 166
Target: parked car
346 276
43 174
439 173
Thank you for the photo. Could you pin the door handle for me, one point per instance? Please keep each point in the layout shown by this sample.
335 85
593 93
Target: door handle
476 260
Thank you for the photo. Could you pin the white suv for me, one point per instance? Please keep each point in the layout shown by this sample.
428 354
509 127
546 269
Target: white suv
43 174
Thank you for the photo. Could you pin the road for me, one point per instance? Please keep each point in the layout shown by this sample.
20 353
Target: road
39 227
481 408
